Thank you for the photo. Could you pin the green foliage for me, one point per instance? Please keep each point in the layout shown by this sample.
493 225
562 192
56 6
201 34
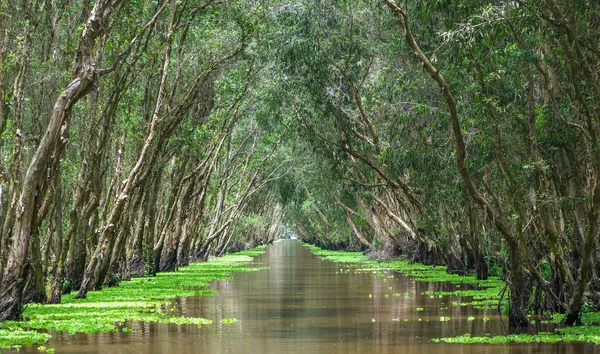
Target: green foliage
313 85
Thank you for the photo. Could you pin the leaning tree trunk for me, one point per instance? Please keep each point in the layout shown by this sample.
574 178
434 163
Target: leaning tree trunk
580 62
136 258
85 74
517 317
107 232
576 301
13 175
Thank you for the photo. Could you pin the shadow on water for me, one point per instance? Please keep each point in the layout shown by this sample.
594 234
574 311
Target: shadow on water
301 304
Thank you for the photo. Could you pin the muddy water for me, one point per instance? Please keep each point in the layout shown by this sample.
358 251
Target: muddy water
302 304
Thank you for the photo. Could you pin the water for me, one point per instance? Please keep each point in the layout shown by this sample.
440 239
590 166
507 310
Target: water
302 304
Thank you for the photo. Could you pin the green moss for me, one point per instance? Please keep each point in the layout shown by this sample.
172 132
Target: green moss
138 300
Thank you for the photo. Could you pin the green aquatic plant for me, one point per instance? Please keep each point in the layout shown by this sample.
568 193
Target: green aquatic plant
481 294
575 334
484 294
42 348
17 337
337 256
587 333
138 300
229 320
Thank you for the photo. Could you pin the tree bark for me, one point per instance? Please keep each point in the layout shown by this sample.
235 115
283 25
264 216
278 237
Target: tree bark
84 76
107 232
517 317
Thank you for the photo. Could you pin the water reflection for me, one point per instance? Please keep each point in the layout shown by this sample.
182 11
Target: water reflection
304 305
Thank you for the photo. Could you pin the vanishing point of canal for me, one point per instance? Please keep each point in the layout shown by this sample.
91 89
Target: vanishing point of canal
302 304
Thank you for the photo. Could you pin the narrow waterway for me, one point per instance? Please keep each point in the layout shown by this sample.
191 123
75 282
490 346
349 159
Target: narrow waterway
301 304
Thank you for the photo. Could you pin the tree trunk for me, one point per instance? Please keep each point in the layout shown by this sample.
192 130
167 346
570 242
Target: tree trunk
85 74
136 259
107 233
517 316
573 313
519 291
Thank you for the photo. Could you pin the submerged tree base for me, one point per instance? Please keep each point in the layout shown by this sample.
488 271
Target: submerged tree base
138 300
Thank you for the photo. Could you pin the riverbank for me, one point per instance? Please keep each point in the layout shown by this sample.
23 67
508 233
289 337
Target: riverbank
139 300
481 294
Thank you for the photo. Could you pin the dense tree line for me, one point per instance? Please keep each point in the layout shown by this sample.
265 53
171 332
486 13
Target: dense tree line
461 135
137 137
126 148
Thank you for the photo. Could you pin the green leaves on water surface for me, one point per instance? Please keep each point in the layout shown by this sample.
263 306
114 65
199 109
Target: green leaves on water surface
186 320
16 337
138 300
337 256
570 334
485 295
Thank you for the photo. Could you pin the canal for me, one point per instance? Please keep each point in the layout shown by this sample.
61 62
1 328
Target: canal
301 304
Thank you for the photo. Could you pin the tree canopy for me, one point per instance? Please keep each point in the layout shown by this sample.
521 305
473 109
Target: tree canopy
137 137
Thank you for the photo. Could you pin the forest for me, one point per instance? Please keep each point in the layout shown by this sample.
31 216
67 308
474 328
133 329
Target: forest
137 137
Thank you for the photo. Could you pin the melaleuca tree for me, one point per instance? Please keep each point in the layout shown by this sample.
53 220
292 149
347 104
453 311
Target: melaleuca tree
153 136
